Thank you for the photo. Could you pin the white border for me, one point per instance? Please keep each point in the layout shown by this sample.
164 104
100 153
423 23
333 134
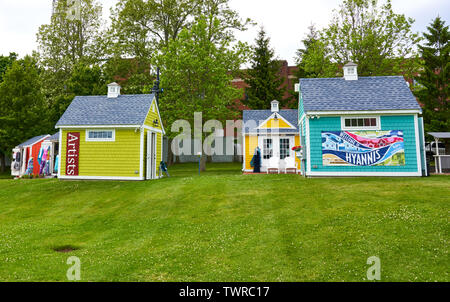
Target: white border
99 178
308 147
376 112
357 128
113 139
244 151
97 126
59 152
141 154
419 157
424 158
368 174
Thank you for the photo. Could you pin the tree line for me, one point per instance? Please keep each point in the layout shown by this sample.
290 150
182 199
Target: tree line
194 43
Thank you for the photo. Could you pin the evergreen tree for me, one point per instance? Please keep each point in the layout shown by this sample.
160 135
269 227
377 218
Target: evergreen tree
433 88
6 62
265 83
314 60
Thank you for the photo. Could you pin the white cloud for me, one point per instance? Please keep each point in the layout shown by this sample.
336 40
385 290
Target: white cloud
286 21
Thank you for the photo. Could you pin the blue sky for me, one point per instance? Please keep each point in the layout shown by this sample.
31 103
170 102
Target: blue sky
286 21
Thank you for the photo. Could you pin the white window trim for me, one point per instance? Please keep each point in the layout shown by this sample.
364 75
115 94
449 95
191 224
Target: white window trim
113 139
377 127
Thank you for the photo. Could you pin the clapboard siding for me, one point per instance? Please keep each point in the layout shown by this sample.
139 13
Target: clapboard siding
251 142
152 115
120 158
402 122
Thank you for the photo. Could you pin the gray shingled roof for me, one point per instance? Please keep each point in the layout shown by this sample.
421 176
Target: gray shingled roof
260 116
33 140
101 110
364 94
54 137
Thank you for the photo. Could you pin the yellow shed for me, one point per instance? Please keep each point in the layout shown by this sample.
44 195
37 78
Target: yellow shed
111 137
275 132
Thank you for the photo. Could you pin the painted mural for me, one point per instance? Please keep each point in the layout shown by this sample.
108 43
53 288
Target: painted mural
363 148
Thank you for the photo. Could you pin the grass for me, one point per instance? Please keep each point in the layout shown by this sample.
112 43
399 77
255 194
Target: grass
224 226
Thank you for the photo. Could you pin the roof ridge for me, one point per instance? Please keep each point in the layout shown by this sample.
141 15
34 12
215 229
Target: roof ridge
359 77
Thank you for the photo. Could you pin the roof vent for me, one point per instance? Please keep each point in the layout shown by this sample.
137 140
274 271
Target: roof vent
351 71
275 106
113 90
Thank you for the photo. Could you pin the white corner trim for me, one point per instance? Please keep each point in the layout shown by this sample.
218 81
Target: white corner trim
59 153
390 112
416 130
359 128
308 147
141 154
112 139
301 119
162 146
424 158
99 178
368 174
244 152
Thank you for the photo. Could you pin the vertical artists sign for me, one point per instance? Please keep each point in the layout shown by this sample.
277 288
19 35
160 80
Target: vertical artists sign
72 153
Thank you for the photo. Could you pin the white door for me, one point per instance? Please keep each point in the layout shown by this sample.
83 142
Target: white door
269 147
151 155
278 146
286 143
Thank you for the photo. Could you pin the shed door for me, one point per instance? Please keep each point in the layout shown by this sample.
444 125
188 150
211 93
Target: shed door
151 155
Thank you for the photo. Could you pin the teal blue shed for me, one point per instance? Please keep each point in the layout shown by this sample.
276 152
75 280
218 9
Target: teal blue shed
360 126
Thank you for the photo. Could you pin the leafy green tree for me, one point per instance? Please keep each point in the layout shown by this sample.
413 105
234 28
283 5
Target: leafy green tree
433 88
142 28
22 105
362 31
196 75
314 60
71 39
263 79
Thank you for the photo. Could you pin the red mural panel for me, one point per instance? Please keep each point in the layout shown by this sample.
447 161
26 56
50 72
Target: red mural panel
72 153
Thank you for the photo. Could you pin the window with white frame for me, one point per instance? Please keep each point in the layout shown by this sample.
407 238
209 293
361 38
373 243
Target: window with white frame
361 123
285 147
100 135
267 148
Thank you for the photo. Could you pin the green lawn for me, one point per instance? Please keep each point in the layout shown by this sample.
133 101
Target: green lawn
224 226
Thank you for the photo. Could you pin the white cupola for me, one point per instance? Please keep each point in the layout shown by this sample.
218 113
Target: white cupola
351 71
113 90
275 106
